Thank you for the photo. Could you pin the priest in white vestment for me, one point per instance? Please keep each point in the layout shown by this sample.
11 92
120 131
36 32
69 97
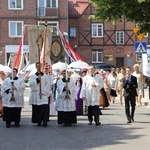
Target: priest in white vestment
90 92
65 102
40 91
12 107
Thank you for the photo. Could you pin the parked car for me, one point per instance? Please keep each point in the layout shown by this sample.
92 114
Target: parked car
105 67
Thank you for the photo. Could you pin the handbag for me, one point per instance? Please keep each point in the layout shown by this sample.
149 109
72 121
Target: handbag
113 93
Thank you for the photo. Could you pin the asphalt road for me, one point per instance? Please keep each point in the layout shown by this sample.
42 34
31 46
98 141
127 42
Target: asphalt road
113 134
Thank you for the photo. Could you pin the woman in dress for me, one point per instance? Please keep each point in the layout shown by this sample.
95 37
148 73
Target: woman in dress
104 91
119 83
140 82
112 82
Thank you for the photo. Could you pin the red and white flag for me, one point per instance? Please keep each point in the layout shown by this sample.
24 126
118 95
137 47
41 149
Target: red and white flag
19 53
74 56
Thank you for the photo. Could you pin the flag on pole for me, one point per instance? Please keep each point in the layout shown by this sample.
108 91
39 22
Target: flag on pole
19 53
45 53
33 33
73 54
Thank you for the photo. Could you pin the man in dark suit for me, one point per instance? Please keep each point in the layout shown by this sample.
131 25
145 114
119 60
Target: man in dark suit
130 85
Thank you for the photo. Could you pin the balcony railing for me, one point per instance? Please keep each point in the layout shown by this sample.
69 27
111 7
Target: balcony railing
47 12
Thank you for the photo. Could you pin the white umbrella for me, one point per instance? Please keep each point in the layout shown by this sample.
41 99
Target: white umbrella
79 64
59 66
1 67
5 68
30 67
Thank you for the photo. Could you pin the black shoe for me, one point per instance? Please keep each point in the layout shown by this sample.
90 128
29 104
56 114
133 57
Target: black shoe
45 124
65 125
98 123
90 123
129 121
68 124
39 124
17 125
8 126
132 119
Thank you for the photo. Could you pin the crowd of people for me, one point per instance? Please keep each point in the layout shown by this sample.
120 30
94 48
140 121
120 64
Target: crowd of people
69 94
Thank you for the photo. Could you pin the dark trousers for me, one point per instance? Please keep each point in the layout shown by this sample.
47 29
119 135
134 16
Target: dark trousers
67 117
43 113
129 101
93 110
12 114
40 113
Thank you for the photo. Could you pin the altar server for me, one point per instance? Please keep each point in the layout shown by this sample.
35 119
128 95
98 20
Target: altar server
13 98
65 102
40 91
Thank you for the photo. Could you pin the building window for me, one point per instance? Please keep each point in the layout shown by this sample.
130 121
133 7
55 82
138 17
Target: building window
52 24
48 3
15 4
51 3
48 8
97 56
119 37
97 30
15 28
138 57
72 32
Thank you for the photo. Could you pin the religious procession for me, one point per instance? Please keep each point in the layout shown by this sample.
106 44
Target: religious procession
68 93
62 89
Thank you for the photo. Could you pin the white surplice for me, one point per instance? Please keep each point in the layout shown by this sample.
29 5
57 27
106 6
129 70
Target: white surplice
35 90
18 93
62 103
92 94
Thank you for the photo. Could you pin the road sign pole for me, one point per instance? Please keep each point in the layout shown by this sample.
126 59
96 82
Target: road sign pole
142 74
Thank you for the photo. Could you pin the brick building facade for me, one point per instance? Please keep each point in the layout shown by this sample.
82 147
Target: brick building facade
94 41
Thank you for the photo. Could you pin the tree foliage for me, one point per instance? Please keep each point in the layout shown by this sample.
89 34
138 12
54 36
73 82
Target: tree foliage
137 11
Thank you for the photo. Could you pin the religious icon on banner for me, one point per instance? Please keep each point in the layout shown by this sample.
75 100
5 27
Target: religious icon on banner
56 49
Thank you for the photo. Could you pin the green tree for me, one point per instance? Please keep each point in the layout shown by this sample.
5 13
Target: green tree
137 11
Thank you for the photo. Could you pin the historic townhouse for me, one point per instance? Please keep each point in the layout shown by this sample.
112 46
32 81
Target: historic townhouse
100 42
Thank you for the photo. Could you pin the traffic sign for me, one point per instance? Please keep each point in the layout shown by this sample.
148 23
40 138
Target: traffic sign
140 36
140 47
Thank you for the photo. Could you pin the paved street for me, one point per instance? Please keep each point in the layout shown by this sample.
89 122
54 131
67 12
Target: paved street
113 134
